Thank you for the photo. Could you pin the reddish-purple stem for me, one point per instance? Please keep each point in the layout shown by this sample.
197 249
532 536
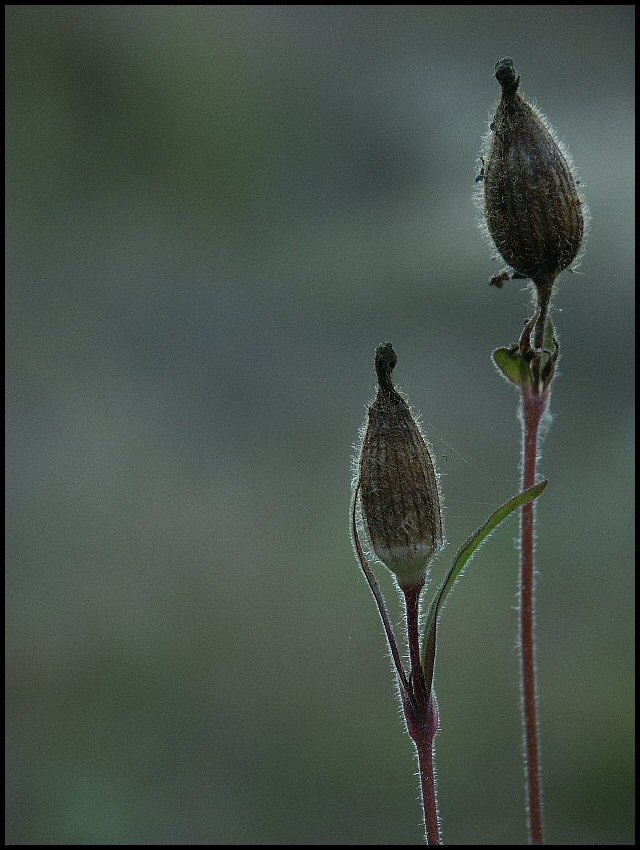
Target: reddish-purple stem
421 718
534 404
425 748
412 601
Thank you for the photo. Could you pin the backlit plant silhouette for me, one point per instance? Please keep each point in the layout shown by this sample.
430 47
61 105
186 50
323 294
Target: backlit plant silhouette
535 217
396 518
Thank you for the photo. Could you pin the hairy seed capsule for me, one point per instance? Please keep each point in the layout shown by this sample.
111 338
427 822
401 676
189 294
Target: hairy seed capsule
398 483
533 210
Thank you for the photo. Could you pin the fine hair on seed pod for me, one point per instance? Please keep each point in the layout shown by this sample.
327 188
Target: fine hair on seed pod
479 193
395 481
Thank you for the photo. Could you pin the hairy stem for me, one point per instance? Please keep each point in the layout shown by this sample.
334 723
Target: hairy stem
544 291
534 405
422 723
425 747
412 601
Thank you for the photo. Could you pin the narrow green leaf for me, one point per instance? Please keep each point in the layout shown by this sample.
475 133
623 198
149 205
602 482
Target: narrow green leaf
549 343
512 365
465 553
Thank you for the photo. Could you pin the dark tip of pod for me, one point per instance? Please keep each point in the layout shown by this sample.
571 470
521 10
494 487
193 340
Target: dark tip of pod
505 74
386 360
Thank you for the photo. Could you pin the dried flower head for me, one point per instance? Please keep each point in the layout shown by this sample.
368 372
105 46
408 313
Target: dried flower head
534 212
398 483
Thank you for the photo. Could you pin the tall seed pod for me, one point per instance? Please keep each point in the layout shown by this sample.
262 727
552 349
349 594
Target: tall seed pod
398 483
534 212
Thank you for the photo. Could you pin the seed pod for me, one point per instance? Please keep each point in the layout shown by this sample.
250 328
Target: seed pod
533 210
398 484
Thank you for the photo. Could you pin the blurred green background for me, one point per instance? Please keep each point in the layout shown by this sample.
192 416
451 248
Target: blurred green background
214 215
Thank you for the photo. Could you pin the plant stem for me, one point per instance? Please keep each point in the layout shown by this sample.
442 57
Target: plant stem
544 290
534 404
412 601
421 718
425 747
382 608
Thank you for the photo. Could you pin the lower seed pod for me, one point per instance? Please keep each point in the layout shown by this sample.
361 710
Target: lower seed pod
398 483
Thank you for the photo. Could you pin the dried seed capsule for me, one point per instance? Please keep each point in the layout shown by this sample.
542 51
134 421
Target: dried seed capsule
398 484
533 210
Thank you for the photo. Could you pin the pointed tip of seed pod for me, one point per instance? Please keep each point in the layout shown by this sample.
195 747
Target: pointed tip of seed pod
386 360
505 74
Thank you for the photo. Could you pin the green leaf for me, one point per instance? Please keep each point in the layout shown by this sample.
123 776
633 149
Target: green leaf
512 365
549 343
465 553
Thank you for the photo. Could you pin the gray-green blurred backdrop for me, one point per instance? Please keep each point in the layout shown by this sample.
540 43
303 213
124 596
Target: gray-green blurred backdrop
214 215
